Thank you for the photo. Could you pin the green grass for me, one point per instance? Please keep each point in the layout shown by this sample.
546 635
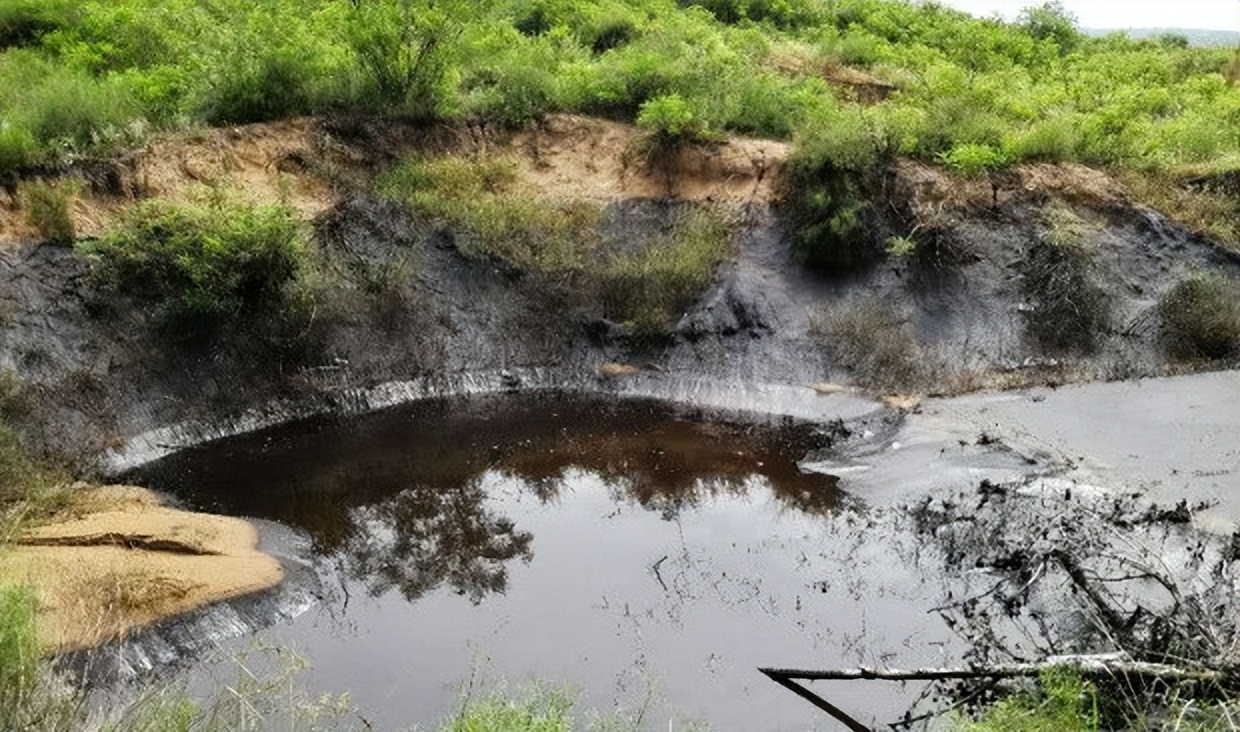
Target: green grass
48 205
538 708
204 262
19 643
30 491
1060 702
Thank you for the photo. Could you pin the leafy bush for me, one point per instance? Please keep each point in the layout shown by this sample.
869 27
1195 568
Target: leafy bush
1201 318
404 50
48 205
270 84
49 109
669 117
973 160
203 261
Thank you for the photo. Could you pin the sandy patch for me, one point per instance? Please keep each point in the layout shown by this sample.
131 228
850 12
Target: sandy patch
265 162
575 158
118 559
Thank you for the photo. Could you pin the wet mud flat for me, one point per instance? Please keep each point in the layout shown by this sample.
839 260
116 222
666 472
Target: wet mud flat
655 556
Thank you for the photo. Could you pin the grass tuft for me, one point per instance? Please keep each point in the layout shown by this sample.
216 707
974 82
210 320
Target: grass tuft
539 708
19 643
501 219
874 342
48 206
1061 702
650 289
1201 318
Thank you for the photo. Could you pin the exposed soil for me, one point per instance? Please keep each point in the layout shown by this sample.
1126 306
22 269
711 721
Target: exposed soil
119 559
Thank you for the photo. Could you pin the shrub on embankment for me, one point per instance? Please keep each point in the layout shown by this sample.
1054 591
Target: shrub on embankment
201 263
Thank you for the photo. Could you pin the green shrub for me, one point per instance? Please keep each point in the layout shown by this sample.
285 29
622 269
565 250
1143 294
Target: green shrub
669 117
19 643
1051 140
203 261
974 160
49 109
650 289
404 51
48 206
1201 318
271 84
18 148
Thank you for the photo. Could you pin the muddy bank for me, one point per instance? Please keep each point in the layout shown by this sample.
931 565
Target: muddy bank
92 371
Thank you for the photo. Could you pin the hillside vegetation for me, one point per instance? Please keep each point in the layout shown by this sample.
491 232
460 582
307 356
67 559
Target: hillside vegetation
82 76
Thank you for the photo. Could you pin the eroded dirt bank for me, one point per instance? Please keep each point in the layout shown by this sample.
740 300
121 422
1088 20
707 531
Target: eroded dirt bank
963 311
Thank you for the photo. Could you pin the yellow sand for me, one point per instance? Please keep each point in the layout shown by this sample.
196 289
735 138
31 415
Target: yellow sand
118 559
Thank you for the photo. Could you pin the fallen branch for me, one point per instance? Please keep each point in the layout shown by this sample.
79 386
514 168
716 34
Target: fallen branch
1116 664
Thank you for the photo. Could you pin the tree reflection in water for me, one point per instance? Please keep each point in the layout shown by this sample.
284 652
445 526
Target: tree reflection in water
420 539
398 495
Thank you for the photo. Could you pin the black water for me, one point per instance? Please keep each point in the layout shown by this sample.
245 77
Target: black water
651 556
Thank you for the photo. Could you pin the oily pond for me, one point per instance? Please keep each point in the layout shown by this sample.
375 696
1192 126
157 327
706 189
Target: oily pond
655 555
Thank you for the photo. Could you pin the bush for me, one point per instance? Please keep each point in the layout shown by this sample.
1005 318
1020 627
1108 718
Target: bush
974 160
670 118
203 261
50 109
272 84
404 52
1201 318
1069 311
48 205
18 148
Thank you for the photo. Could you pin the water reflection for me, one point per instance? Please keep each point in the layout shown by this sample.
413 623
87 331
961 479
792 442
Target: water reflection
398 497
